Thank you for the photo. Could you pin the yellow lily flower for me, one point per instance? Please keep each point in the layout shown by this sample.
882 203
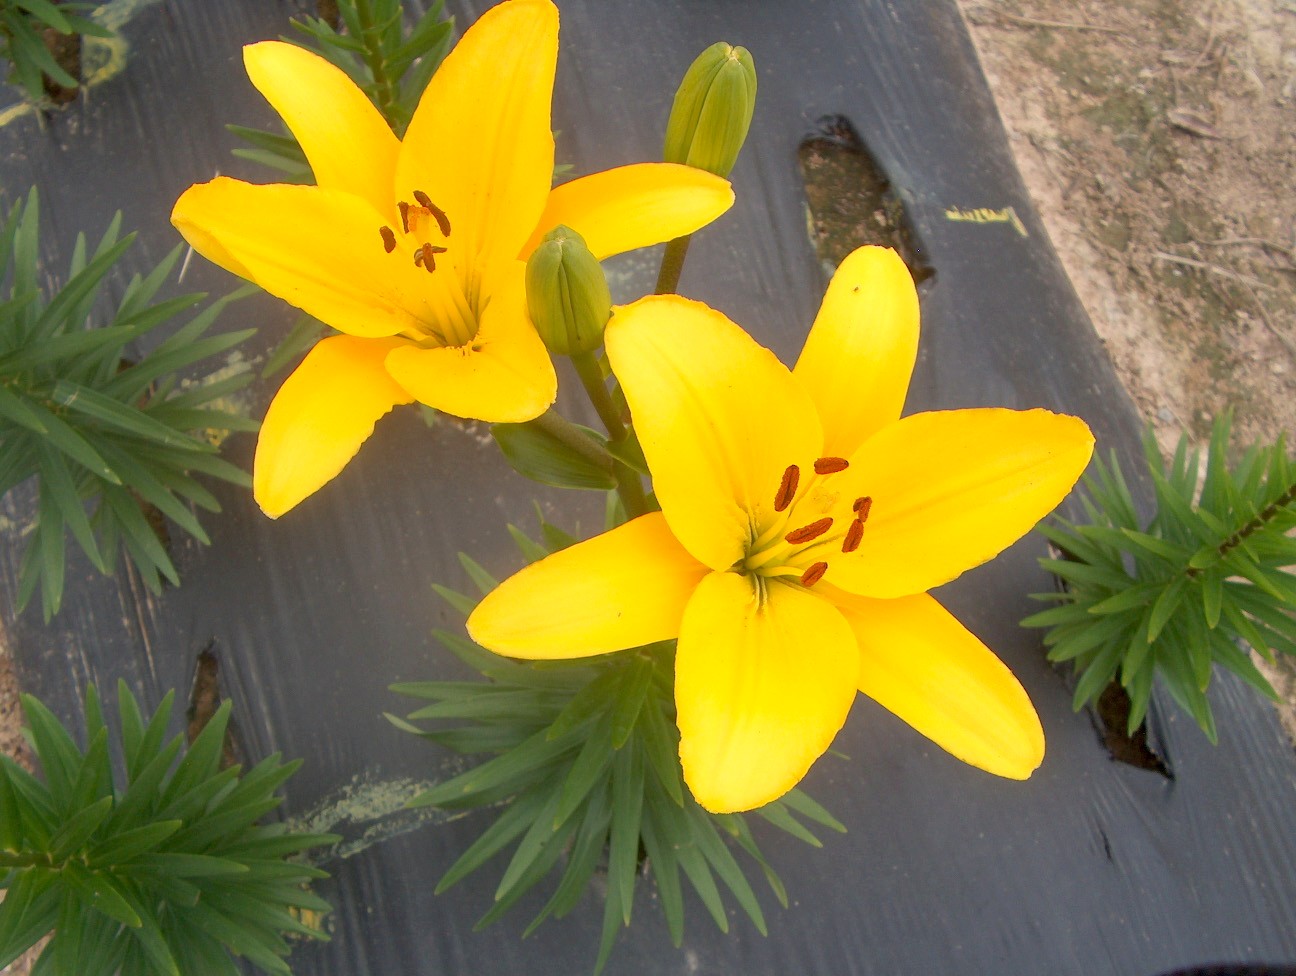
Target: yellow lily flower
802 522
416 248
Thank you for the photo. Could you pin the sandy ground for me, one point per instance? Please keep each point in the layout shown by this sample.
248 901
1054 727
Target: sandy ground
1155 137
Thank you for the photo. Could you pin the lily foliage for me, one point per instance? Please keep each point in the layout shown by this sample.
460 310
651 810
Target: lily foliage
389 61
585 752
24 24
111 433
159 867
1206 576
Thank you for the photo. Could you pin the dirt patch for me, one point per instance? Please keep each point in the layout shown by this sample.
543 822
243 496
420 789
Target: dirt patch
1155 139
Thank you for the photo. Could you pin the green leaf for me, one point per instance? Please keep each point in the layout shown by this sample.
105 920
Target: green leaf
11 828
46 12
77 829
537 454
714 850
631 693
101 893
540 832
464 604
777 814
531 550
1139 595
665 868
1212 596
62 437
59 757
796 800
306 331
483 580
589 768
532 755
30 910
661 747
17 410
1166 604
122 846
587 850
627 813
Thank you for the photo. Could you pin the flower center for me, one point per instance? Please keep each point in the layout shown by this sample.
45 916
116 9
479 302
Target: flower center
456 325
788 547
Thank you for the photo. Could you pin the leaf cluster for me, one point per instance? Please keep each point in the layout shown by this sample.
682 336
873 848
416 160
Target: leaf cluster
30 61
161 871
108 439
586 755
1208 575
390 65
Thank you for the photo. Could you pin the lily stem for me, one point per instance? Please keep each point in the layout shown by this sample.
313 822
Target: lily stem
629 485
1259 522
672 264
561 429
373 56
591 377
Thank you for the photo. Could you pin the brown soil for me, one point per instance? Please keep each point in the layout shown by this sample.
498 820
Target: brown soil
1155 138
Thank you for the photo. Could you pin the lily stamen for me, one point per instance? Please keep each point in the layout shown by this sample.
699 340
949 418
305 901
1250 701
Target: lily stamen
426 256
853 536
388 239
404 212
787 488
814 574
862 507
809 532
830 465
439 215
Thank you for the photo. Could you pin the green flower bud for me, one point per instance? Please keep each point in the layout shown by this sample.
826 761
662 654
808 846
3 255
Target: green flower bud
712 110
567 293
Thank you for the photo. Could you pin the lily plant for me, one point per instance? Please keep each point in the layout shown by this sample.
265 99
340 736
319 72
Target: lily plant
415 248
802 522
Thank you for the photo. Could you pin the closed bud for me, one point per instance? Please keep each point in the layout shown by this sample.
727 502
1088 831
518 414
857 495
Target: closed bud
712 110
567 293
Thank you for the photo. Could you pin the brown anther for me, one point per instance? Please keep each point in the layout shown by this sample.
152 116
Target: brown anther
814 574
830 465
404 212
443 221
808 532
853 536
423 199
389 239
862 507
426 256
787 488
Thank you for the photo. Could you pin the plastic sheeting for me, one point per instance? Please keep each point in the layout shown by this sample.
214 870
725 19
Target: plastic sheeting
1092 867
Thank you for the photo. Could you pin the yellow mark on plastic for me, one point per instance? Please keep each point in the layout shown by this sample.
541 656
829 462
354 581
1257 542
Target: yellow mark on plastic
985 215
101 57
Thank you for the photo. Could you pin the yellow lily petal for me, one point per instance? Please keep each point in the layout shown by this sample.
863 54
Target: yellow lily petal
763 682
620 589
918 662
952 489
480 143
319 418
504 375
634 206
860 353
349 146
316 248
719 418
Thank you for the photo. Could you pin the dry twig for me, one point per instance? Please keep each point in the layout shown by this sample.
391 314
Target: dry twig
1212 268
